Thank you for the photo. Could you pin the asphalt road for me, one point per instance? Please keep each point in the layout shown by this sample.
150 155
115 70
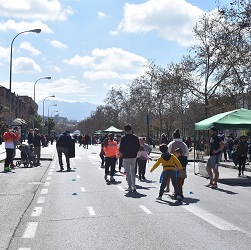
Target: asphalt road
44 209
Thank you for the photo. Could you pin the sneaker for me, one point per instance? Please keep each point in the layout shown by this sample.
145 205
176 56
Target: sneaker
214 186
129 189
143 177
6 170
112 179
209 185
68 169
179 198
159 198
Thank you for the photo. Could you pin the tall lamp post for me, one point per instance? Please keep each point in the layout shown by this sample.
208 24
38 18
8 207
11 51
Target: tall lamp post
43 111
46 77
35 31
53 112
48 117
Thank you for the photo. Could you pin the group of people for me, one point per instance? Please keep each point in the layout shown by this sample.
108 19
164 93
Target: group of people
134 152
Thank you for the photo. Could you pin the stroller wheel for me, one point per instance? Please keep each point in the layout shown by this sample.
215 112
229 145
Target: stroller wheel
26 165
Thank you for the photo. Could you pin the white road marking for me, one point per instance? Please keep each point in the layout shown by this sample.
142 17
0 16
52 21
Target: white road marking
92 157
41 199
44 191
47 184
91 211
50 173
48 178
157 186
36 211
78 176
82 189
51 170
211 218
145 209
30 230
121 188
24 248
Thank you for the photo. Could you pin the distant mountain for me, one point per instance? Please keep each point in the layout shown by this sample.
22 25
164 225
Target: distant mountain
72 111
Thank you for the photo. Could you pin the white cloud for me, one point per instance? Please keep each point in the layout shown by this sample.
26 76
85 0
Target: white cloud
4 53
46 10
23 26
114 63
172 19
101 14
25 65
58 44
27 46
55 68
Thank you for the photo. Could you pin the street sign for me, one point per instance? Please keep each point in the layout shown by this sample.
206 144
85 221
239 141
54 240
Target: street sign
148 119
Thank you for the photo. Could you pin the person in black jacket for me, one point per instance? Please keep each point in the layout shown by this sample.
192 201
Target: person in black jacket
63 143
129 147
242 151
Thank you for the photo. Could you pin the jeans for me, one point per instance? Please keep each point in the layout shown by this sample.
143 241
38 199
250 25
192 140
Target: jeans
172 175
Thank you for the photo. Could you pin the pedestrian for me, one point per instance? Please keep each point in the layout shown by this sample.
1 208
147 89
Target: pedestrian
30 137
216 147
120 159
143 157
102 155
163 139
9 138
37 140
177 142
169 163
63 144
129 147
111 152
182 174
229 147
242 152
15 130
87 140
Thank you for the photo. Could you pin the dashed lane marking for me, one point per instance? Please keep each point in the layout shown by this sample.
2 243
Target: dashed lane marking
82 189
91 211
44 191
36 211
48 178
47 184
41 200
30 230
145 209
121 188
78 176
50 173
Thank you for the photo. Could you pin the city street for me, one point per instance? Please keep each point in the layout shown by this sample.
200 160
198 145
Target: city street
42 209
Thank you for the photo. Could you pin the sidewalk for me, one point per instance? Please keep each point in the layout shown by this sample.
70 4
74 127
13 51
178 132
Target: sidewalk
47 153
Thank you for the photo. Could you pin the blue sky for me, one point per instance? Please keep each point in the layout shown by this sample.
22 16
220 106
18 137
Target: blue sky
89 46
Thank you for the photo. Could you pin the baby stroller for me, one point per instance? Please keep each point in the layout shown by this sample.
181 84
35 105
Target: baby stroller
27 156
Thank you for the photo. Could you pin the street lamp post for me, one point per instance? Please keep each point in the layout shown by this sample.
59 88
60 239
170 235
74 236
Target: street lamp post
48 117
47 77
35 31
53 112
43 111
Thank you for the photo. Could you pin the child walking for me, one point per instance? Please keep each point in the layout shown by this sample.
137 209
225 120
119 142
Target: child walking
168 161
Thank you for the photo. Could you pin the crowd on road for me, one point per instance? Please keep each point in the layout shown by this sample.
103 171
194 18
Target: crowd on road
132 154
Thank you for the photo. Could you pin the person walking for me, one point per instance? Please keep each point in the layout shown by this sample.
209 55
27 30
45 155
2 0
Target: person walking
9 138
169 162
129 147
63 143
242 152
177 142
216 147
143 157
111 152
37 139
30 137
16 142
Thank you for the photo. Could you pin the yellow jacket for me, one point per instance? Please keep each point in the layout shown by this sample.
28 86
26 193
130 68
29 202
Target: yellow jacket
168 161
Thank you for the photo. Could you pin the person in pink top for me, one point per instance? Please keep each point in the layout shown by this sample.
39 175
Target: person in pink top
9 139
